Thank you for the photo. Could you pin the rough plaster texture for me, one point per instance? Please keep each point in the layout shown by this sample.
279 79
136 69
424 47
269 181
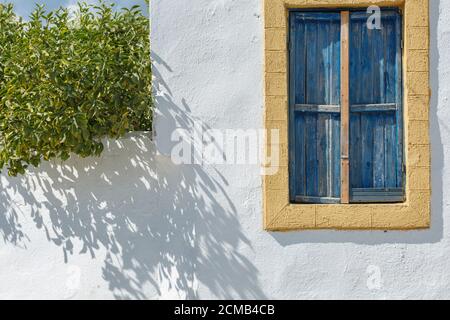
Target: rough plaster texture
133 225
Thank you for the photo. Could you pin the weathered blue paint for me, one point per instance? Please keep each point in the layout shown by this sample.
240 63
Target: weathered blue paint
314 107
376 135
376 155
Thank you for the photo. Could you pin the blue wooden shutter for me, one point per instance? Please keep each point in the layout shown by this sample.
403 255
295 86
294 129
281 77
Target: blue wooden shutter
314 107
376 136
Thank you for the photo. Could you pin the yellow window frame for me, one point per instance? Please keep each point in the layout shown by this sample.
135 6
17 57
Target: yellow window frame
415 213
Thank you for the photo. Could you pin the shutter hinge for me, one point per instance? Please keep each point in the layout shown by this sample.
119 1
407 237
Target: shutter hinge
401 44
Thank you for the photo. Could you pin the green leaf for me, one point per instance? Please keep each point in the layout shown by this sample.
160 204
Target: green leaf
64 86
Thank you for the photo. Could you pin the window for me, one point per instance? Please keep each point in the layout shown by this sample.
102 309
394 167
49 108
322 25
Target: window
368 147
354 151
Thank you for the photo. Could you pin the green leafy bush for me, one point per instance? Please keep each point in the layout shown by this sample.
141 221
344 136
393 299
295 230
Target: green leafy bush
68 80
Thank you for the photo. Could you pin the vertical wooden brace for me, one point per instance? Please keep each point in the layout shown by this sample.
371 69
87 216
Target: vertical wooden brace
345 108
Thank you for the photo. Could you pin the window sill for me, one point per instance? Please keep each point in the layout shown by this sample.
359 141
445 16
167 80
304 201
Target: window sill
411 215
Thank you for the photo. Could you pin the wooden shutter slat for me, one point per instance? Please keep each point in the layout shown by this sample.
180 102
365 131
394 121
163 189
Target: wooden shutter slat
376 136
321 200
399 98
378 151
312 83
374 107
336 155
377 195
314 107
390 151
363 15
355 150
367 146
373 191
317 108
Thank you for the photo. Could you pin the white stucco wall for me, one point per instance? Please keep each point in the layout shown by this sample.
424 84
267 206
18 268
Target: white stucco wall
131 224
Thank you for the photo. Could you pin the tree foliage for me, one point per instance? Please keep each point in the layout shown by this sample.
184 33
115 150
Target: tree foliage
67 80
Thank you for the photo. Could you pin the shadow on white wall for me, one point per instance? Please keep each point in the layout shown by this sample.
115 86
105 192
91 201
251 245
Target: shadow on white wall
171 227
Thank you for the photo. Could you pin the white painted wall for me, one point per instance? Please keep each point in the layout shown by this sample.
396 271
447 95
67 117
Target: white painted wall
130 224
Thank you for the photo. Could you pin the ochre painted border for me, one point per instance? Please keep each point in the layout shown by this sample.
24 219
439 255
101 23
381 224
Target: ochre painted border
415 213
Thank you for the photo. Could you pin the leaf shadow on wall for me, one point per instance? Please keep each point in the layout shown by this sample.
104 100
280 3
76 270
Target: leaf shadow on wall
167 230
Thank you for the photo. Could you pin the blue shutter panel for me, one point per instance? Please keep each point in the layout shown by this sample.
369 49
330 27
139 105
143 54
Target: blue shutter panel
314 107
376 111
376 136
